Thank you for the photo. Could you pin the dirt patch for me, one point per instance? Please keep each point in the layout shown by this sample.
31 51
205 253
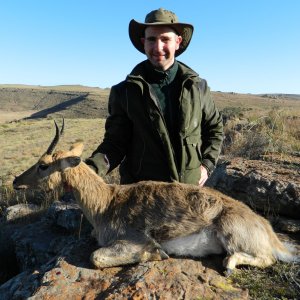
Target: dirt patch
8 116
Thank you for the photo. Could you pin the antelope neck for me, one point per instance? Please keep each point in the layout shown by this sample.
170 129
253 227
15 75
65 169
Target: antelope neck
67 187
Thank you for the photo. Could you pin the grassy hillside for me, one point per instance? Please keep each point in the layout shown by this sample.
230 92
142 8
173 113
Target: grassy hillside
254 124
89 102
40 102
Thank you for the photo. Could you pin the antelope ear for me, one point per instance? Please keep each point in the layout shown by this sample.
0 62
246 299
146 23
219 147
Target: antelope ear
71 161
76 149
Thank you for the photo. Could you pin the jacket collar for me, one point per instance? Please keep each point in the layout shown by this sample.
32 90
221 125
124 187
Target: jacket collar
139 72
161 77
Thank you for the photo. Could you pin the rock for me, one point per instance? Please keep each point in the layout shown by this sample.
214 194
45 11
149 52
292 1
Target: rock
66 215
12 221
70 275
288 225
38 242
265 186
19 211
54 260
9 265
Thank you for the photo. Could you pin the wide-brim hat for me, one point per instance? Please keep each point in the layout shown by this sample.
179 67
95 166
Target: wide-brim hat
160 17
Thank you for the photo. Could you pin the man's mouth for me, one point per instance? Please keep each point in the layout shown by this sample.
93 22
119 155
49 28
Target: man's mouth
158 57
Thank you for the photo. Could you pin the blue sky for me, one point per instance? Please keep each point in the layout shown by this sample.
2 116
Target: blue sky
246 46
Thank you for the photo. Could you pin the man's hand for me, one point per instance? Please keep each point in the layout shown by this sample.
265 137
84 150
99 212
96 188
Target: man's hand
99 163
204 176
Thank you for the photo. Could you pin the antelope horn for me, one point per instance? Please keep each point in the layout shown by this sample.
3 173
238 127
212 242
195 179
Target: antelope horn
56 138
62 127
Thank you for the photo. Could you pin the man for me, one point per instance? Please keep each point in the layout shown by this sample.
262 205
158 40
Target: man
162 123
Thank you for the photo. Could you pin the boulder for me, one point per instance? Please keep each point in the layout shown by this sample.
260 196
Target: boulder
38 242
53 258
18 211
70 275
268 187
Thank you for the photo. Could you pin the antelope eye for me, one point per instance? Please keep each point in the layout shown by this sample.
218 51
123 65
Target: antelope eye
43 167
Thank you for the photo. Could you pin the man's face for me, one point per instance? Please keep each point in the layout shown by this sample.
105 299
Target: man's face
160 44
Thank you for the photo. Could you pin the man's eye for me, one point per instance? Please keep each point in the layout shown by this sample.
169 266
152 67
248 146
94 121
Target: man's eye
43 167
151 39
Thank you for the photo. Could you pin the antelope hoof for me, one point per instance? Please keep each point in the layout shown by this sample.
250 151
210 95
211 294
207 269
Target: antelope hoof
157 254
163 254
100 261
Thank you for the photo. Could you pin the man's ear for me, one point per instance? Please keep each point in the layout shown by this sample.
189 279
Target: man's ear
178 41
143 41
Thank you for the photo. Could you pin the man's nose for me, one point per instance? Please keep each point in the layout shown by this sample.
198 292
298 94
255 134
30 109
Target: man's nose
158 44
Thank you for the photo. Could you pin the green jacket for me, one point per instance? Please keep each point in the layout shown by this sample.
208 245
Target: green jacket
137 138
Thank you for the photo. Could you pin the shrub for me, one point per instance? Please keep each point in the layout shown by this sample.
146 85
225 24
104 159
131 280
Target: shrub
275 132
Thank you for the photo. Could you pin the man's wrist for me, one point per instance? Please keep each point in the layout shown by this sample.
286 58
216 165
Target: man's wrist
99 163
209 165
207 169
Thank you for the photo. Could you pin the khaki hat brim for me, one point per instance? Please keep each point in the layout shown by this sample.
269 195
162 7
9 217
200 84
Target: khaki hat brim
137 30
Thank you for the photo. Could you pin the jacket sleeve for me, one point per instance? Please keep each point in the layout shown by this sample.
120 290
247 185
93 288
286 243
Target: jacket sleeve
211 129
118 128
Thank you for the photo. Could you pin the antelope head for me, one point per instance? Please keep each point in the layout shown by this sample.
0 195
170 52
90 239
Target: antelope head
46 173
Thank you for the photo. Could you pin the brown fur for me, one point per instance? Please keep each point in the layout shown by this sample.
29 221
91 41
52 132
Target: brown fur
131 222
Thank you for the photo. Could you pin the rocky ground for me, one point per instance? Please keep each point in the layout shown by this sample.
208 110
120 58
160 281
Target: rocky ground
52 251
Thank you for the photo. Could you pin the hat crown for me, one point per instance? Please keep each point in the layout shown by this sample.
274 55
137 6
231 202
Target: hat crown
161 16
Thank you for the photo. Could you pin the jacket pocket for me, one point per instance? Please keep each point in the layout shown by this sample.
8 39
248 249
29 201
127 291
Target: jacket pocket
193 154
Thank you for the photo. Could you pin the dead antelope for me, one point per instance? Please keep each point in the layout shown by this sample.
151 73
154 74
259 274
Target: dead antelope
149 220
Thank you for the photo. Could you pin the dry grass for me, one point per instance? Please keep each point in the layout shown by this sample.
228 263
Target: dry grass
257 125
280 281
255 104
7 116
277 131
25 141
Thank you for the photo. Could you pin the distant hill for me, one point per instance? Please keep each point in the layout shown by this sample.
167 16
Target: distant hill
40 102
278 96
76 101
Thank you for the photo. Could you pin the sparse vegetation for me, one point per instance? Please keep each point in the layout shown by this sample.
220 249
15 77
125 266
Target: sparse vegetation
281 281
275 132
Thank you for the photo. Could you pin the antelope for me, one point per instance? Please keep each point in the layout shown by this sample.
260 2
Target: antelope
151 220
